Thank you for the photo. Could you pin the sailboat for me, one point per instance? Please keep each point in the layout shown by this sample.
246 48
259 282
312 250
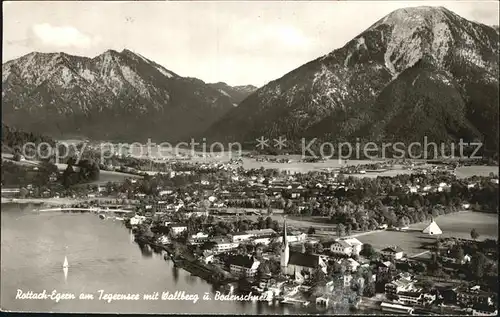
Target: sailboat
65 264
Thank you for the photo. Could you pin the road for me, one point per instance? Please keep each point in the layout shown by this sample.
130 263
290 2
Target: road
419 254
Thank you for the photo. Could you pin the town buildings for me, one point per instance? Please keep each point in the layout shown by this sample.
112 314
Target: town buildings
392 252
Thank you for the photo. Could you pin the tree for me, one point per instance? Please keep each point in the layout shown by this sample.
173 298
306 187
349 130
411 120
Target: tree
369 290
474 234
459 254
309 248
478 264
67 180
263 270
17 156
319 248
23 192
367 250
401 222
311 230
340 230
318 276
427 285
269 210
348 229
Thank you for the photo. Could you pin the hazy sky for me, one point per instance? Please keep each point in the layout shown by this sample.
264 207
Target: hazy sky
232 41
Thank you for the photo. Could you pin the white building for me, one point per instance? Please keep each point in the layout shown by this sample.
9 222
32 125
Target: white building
137 220
294 237
265 240
348 246
176 229
165 192
432 228
198 238
240 236
223 245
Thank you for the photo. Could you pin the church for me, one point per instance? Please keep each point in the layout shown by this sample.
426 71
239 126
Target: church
298 264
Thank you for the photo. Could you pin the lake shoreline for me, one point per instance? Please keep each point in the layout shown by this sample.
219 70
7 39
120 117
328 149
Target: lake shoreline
42 201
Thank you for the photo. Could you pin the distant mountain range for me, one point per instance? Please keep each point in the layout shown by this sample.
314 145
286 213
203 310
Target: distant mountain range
422 71
116 95
236 93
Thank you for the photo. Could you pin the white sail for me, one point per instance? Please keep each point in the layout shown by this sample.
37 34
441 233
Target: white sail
65 265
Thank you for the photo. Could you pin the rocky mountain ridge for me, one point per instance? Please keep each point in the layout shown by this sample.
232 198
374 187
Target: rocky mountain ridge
422 67
115 95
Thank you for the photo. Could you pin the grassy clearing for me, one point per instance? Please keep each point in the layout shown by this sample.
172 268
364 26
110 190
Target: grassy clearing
456 225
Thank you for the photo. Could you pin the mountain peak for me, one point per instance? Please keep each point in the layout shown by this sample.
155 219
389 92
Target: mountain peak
110 52
415 16
105 93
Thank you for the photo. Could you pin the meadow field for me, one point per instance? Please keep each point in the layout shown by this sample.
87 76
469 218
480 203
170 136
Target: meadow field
458 225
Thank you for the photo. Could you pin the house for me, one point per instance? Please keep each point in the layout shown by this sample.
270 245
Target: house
198 238
176 229
347 246
163 239
240 236
293 237
295 194
484 310
208 258
224 245
393 252
265 240
137 220
261 232
165 192
348 280
415 298
351 265
413 189
466 259
393 288
467 297
341 247
427 188
243 265
322 301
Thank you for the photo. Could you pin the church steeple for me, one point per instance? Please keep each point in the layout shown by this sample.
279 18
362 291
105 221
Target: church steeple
285 240
285 250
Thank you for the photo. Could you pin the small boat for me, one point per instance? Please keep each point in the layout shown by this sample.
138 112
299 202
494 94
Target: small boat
65 264
102 216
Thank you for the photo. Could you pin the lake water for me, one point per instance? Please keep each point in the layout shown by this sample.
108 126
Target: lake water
102 256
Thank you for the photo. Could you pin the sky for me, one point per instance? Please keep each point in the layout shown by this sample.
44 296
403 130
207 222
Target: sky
236 42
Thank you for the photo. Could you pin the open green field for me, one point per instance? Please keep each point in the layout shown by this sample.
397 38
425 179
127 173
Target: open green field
460 224
468 171
456 225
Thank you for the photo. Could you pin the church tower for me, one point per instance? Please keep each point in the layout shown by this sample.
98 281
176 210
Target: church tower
285 249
